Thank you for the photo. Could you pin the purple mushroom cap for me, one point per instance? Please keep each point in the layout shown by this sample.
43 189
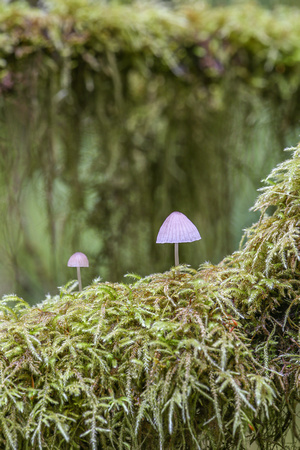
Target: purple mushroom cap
177 228
78 259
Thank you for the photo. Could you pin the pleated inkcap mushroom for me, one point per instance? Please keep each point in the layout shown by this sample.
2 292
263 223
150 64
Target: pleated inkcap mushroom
78 260
177 228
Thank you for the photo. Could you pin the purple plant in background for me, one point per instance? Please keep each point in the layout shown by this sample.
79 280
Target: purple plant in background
175 229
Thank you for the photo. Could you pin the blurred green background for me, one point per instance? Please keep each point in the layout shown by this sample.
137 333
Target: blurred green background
114 114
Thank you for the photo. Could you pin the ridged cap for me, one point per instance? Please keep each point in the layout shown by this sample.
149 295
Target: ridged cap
177 228
78 259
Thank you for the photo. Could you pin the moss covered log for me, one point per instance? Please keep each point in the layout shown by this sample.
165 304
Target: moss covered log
186 359
188 41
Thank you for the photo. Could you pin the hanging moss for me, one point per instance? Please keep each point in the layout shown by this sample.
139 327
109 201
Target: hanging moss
184 359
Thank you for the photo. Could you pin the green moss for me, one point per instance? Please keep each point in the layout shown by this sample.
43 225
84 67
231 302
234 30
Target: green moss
152 364
185 359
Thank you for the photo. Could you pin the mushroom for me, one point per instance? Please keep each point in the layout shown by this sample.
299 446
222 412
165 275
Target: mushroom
175 229
78 260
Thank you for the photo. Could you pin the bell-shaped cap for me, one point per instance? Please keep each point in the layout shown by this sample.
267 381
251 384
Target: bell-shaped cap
78 259
177 228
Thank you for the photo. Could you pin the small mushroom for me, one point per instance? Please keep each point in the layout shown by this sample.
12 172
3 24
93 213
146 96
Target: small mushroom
78 260
175 229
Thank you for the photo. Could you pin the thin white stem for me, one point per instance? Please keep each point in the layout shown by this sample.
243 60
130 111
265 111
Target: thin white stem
79 278
176 254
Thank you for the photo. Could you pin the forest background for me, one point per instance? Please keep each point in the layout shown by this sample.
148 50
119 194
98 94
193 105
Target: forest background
114 114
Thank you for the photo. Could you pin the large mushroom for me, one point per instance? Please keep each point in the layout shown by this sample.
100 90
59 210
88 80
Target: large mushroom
175 229
78 260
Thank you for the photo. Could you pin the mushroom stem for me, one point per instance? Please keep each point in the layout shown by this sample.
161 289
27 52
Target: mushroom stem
79 278
176 254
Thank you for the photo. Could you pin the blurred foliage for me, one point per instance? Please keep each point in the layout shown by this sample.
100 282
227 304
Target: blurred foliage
112 116
185 359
